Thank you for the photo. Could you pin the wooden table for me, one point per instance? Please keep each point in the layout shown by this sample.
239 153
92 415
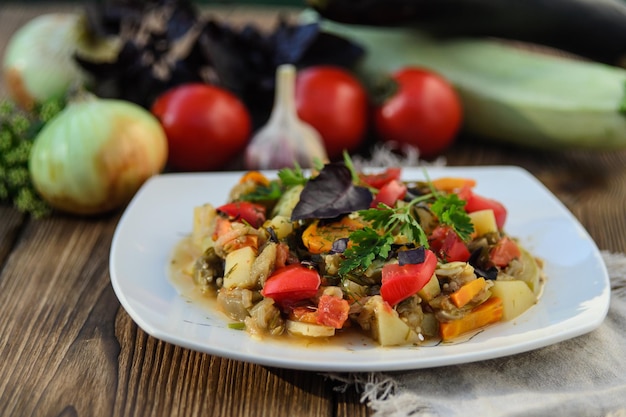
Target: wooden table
67 348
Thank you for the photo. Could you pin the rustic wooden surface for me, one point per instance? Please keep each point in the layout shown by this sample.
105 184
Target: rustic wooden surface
67 348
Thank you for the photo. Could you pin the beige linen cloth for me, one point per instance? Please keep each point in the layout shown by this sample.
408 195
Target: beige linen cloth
584 376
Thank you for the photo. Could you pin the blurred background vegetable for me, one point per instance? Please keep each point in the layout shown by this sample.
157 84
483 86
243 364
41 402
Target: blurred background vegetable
142 51
333 101
166 43
17 132
206 126
510 94
38 63
93 156
423 110
285 140
594 29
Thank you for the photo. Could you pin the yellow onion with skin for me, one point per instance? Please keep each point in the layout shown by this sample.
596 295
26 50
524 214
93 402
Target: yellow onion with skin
94 155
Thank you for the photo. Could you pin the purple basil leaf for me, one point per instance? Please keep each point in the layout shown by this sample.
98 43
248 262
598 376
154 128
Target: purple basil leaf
412 256
340 245
331 194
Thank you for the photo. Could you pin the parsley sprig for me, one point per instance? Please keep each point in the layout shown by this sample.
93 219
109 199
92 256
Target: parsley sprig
375 241
287 177
450 210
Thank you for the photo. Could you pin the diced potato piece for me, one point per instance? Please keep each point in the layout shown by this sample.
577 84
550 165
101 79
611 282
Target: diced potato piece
516 297
387 327
281 225
298 328
203 225
484 222
238 268
431 289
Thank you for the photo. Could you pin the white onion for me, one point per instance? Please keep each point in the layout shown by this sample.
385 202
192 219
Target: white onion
94 155
38 64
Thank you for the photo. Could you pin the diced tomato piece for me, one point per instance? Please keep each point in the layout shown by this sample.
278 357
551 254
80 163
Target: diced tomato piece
332 311
378 180
251 213
399 282
504 252
448 245
391 192
477 202
291 284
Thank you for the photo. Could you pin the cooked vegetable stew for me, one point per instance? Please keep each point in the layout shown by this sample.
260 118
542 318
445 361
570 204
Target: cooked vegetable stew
345 251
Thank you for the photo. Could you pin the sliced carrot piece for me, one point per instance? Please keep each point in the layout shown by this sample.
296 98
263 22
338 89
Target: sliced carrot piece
488 312
255 177
319 238
467 292
450 184
304 314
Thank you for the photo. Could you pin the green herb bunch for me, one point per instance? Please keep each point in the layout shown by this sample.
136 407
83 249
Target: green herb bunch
375 241
18 130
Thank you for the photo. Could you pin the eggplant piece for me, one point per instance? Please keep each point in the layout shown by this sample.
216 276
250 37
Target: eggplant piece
593 29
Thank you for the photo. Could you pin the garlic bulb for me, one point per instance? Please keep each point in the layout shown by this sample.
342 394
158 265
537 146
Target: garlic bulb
285 140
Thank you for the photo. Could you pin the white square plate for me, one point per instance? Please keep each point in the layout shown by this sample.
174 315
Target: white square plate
575 299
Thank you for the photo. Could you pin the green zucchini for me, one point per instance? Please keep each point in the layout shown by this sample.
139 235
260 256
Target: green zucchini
509 93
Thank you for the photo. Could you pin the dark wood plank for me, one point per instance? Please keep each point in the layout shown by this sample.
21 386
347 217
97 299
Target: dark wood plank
163 379
58 308
11 222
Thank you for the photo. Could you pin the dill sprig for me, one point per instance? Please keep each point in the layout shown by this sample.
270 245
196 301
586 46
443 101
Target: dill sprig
18 130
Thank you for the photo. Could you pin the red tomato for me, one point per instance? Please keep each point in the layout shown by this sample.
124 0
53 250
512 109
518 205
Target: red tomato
425 112
504 252
206 126
332 311
391 192
251 213
292 283
335 103
379 179
477 202
448 245
399 282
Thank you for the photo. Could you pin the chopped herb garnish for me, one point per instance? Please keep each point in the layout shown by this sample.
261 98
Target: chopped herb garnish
368 244
450 210
272 191
376 241
237 325
292 176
